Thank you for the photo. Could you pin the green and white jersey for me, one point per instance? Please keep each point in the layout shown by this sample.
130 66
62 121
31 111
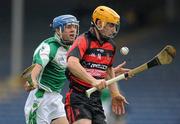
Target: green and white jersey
51 55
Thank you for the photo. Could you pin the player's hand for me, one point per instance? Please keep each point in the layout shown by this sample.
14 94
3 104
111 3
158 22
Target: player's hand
100 84
120 70
28 87
118 104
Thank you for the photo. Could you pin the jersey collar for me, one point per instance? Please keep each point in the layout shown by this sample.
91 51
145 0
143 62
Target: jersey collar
59 40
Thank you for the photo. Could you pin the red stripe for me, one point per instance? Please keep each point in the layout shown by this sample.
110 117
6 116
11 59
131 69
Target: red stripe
101 60
73 118
77 80
105 46
80 42
68 108
97 73
82 45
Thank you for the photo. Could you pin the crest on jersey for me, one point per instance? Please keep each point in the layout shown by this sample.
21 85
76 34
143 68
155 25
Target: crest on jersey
99 56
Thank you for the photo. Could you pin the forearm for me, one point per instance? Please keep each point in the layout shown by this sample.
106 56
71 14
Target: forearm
76 69
120 70
114 90
36 72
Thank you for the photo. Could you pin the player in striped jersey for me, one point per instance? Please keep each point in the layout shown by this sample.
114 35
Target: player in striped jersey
90 62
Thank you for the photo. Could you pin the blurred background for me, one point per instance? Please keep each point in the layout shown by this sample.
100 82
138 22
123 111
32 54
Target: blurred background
146 27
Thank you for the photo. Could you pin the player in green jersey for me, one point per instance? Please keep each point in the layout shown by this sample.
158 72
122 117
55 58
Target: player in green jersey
44 104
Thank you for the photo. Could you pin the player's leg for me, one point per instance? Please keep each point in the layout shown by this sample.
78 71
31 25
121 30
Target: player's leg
77 108
28 106
83 121
34 109
57 113
61 120
98 113
99 118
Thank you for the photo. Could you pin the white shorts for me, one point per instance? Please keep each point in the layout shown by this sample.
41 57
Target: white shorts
43 110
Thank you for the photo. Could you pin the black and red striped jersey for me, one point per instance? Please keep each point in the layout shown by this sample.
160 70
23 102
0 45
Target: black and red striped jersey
93 56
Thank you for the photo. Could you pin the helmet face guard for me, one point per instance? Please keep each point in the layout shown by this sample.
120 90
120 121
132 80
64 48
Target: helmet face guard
107 33
66 39
74 24
63 21
117 27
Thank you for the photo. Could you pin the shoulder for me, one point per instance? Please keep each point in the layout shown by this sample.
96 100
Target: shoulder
81 37
79 45
52 43
81 40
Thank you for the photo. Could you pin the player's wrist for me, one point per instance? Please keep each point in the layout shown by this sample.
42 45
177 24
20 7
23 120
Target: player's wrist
93 82
115 94
34 82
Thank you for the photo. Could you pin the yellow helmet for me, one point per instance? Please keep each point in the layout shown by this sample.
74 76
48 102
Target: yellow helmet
105 14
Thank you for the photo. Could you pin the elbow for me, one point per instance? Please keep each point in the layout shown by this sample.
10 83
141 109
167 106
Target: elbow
69 64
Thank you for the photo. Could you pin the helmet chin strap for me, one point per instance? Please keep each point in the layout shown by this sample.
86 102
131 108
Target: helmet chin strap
99 36
103 37
60 40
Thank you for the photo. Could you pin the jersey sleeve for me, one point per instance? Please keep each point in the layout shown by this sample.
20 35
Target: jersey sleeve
42 55
78 48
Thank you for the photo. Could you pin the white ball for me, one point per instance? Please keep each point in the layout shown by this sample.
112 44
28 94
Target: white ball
124 50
